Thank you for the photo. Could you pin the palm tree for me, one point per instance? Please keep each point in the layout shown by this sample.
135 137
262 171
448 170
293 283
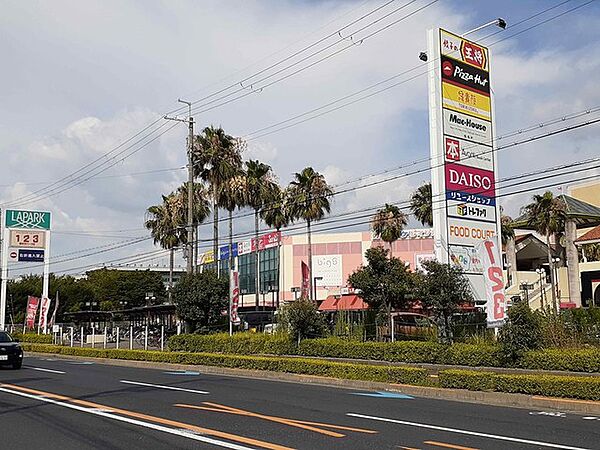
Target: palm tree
167 222
308 193
276 215
546 216
163 222
260 188
232 196
216 160
388 223
421 204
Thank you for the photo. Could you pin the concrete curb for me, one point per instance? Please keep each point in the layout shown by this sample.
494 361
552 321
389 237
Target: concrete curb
460 395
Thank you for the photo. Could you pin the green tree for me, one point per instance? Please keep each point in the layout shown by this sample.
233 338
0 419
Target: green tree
442 289
167 221
216 159
546 215
507 233
388 223
113 289
309 200
385 283
522 331
201 299
301 320
421 204
260 190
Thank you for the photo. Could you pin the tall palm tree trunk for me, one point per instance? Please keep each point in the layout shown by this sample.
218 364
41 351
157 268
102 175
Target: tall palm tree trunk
552 280
171 264
256 260
230 240
216 232
310 265
391 249
279 268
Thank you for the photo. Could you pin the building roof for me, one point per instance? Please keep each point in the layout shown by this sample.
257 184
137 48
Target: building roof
583 213
350 302
590 237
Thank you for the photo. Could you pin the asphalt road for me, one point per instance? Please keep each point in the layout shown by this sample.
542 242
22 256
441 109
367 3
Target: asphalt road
67 404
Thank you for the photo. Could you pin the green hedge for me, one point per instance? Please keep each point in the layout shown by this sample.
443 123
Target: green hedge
586 360
401 351
31 337
387 374
585 388
575 360
239 343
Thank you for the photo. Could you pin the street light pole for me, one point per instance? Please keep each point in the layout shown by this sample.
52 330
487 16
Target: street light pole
190 188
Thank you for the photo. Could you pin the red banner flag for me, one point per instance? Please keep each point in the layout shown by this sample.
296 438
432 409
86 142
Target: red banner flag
31 312
305 281
234 286
44 307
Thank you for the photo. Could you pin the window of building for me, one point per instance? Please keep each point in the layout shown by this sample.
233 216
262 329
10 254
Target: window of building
269 270
247 271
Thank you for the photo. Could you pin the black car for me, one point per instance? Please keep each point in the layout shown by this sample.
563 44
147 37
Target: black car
11 352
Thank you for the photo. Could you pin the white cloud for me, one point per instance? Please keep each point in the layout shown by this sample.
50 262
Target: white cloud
108 71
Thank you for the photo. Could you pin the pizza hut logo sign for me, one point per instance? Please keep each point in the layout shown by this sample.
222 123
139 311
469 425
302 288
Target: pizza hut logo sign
452 149
473 54
447 68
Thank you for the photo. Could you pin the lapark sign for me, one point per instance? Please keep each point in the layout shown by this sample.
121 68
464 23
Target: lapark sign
27 219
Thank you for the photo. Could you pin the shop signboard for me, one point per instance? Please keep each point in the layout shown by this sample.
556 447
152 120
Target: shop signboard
464 170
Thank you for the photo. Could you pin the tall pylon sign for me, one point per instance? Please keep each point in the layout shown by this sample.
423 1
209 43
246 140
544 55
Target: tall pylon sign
25 238
463 162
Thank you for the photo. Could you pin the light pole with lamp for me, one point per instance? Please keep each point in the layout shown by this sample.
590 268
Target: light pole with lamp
542 273
556 260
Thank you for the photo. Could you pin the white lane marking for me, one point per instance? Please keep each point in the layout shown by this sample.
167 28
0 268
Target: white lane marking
470 433
547 413
98 412
41 369
160 386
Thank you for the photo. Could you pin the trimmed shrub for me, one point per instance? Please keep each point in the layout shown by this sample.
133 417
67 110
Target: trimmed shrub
387 374
585 388
575 360
473 355
31 337
239 343
472 380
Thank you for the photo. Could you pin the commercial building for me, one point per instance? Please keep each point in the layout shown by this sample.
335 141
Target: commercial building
335 257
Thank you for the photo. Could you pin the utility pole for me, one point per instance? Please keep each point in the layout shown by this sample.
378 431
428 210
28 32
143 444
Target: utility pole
190 187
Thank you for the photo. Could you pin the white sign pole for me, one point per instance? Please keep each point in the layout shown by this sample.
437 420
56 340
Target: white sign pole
46 275
440 237
4 274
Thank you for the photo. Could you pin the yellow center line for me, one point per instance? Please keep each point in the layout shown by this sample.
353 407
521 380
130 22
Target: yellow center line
408 448
295 421
272 419
445 445
311 426
172 423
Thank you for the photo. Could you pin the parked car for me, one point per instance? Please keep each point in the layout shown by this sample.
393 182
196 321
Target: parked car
11 352
412 325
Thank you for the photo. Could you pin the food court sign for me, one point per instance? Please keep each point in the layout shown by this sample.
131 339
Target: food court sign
464 169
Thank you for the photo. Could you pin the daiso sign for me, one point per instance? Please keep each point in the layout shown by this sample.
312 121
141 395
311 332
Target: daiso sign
470 180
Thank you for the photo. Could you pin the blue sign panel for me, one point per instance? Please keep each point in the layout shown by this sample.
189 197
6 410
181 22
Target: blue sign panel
224 251
31 255
470 198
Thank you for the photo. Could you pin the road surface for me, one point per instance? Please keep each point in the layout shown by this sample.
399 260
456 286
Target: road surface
74 404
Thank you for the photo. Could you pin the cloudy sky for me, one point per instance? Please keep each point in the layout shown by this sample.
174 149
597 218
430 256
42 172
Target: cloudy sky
82 81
